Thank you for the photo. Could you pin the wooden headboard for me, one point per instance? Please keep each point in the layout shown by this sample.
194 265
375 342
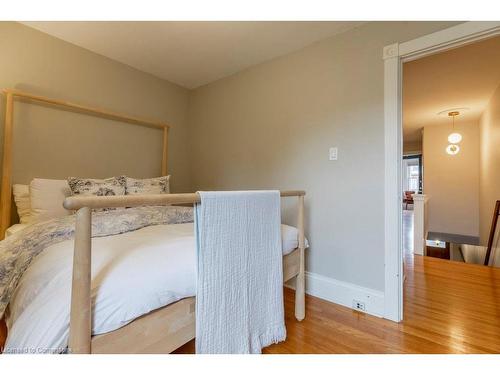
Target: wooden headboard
11 95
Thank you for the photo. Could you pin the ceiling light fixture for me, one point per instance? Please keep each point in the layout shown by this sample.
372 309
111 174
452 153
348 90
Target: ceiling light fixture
445 113
454 137
452 149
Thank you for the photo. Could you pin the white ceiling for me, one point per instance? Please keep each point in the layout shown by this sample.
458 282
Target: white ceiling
192 54
463 77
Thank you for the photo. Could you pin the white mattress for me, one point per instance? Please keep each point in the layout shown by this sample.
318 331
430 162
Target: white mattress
132 274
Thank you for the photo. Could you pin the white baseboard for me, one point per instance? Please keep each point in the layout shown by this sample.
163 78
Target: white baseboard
344 293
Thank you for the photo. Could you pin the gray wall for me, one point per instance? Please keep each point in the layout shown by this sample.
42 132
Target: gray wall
271 126
267 127
410 148
452 181
489 183
55 144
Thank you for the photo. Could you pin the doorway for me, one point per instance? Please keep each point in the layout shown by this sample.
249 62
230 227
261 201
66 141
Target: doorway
394 55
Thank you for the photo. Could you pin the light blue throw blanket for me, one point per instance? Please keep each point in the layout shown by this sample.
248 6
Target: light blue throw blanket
239 298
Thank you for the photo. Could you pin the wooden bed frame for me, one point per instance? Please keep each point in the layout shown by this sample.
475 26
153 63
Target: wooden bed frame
162 330
11 94
167 328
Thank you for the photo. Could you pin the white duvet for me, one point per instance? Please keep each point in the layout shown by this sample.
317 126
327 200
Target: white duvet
132 274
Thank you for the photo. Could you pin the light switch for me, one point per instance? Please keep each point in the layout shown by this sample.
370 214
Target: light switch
333 153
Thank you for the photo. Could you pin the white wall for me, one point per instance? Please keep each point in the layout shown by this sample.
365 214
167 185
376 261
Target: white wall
452 181
490 164
271 126
410 148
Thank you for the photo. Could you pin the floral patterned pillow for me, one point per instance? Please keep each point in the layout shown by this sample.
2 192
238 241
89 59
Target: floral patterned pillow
158 185
105 187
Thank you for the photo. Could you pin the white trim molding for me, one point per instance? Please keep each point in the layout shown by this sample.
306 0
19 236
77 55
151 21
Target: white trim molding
393 198
392 50
453 37
343 293
394 55
420 227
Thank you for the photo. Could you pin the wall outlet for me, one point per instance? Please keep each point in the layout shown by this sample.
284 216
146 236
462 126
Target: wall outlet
333 153
358 305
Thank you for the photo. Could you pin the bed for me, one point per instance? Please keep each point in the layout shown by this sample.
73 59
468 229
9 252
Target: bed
135 273
102 317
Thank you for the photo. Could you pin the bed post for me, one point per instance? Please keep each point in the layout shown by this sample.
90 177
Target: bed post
300 311
80 323
164 159
5 198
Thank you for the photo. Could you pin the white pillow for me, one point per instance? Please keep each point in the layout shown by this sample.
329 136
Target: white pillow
47 197
23 204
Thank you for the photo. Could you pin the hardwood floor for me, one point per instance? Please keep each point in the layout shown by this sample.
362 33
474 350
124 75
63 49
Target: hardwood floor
3 333
450 307
408 232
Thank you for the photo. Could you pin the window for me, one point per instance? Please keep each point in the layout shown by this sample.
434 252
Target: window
413 177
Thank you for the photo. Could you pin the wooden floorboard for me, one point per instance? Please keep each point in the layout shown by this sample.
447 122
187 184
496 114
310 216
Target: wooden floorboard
449 307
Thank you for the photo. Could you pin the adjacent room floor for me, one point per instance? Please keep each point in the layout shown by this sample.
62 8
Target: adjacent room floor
408 232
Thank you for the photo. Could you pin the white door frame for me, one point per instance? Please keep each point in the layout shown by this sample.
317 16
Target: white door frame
394 55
